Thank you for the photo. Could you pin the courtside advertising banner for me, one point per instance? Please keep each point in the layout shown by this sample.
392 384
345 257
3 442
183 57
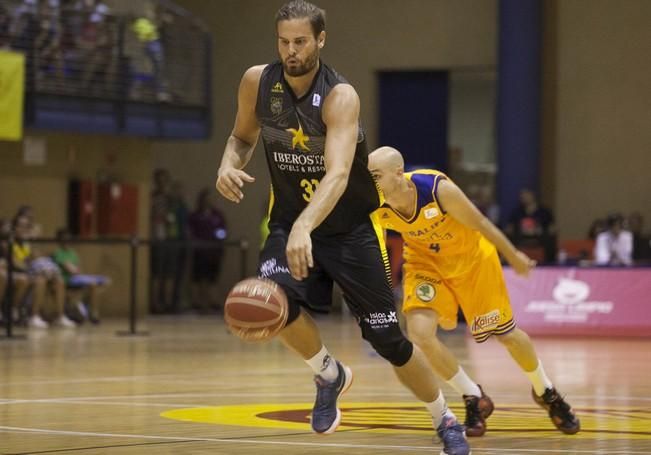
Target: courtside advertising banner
582 301
12 88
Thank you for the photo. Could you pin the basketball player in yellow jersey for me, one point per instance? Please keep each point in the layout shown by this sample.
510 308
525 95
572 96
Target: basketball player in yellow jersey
451 261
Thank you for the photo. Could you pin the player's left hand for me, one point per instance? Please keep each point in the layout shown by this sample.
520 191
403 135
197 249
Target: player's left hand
299 252
522 264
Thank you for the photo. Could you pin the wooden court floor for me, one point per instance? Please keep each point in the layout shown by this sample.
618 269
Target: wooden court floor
191 388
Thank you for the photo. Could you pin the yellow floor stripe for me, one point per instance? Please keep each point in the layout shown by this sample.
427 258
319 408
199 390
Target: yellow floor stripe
508 421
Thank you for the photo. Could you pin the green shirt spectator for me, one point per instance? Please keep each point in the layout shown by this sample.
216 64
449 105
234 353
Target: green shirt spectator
68 261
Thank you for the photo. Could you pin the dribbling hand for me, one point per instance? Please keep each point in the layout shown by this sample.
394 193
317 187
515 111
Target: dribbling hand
230 182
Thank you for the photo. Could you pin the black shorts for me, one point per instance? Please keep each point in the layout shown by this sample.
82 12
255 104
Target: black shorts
357 261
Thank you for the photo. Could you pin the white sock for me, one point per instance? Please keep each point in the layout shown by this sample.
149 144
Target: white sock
324 365
462 383
438 408
539 379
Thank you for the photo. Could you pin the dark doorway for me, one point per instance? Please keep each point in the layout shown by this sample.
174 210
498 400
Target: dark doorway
414 116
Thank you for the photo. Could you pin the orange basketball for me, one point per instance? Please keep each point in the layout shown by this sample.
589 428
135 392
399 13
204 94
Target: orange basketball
256 309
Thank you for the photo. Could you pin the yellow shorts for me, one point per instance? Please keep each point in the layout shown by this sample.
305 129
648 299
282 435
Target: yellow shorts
480 292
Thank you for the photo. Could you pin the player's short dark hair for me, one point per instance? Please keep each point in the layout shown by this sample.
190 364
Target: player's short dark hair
300 9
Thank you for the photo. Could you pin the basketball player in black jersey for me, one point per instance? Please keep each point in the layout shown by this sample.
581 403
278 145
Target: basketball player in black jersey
320 225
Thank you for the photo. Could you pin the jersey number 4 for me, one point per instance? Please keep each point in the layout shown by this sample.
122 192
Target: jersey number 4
435 247
309 187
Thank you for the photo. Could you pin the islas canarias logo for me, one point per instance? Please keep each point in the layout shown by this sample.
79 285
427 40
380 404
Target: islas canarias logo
299 138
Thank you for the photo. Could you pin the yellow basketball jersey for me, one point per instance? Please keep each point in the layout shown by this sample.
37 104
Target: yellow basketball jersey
448 265
21 253
430 234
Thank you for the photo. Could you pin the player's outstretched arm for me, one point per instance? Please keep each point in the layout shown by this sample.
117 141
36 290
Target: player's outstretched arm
243 138
455 202
341 116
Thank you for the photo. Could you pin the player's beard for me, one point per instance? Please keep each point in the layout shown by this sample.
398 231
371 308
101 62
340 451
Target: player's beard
303 68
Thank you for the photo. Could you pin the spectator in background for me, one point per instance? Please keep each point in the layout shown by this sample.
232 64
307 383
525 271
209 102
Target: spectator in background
164 228
3 275
597 227
206 224
20 280
178 233
615 246
43 273
27 211
146 30
96 44
90 285
641 241
532 225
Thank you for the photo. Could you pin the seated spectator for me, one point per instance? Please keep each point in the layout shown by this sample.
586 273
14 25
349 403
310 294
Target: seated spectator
43 274
90 285
641 241
28 212
614 247
207 224
20 280
532 225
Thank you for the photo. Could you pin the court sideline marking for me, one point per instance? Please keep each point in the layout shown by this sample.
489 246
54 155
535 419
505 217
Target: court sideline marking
288 443
515 396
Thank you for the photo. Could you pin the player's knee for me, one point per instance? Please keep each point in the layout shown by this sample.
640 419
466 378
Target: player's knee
506 339
422 337
514 337
397 351
294 311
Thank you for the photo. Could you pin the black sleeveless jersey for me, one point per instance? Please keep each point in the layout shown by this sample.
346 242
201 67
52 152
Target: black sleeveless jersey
294 135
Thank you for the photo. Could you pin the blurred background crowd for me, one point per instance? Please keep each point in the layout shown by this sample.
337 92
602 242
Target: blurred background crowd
124 107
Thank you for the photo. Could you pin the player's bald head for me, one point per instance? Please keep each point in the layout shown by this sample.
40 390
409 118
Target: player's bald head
385 158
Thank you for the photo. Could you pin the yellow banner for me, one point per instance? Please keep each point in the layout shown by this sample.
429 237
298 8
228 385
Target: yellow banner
12 89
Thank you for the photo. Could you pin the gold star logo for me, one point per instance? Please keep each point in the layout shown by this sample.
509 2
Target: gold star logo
299 138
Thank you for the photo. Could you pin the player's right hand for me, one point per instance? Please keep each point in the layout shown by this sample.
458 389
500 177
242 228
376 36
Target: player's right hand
299 252
230 182
522 264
